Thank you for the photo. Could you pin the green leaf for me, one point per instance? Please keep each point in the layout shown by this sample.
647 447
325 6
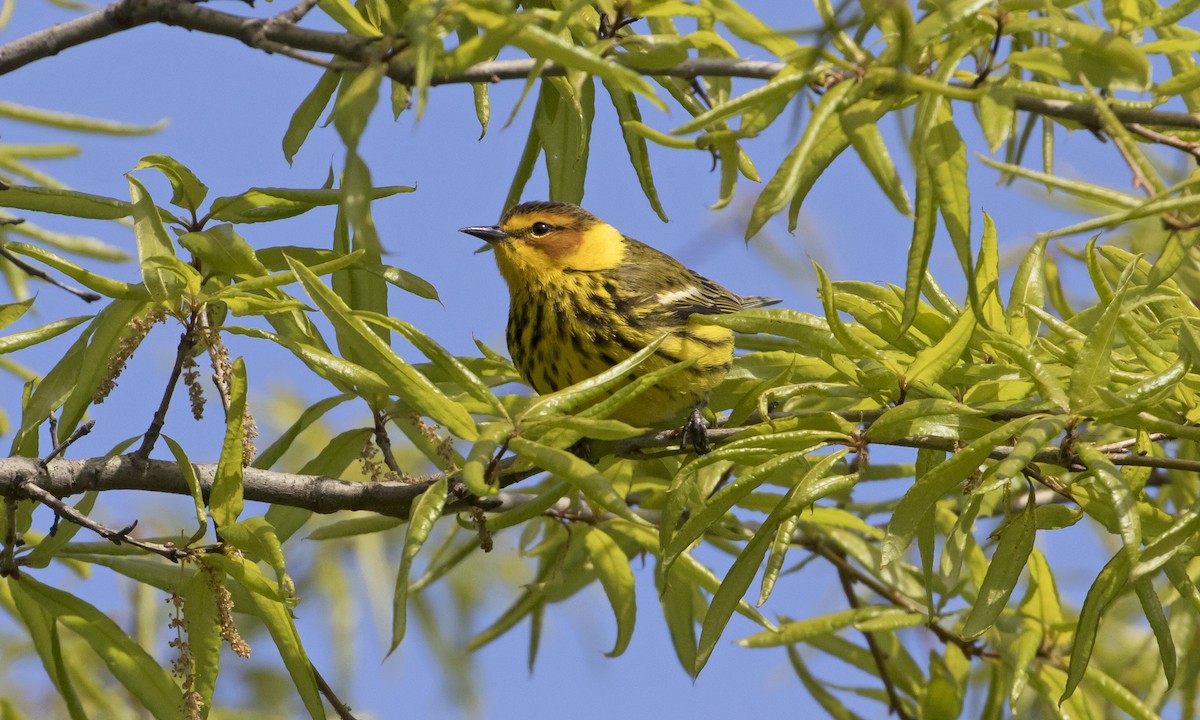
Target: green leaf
71 384
929 417
780 544
1011 555
132 666
937 483
1028 289
584 426
1108 585
152 238
563 119
578 472
403 380
405 280
569 398
268 204
543 45
79 123
193 482
1105 57
202 626
348 16
1037 436
932 362
1174 539
1119 493
188 191
678 600
105 286
267 605
816 484
822 141
921 245
616 577
1093 362
480 458
628 114
353 527
781 87
225 498
222 250
425 512
1176 251
860 122
444 361
1083 190
64 202
309 111
28 338
803 630
724 499
319 262
853 344
345 375
986 300
946 155
1159 625
525 166
14 311
43 634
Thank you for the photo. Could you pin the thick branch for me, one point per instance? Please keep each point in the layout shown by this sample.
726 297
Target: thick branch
280 34
328 495
126 472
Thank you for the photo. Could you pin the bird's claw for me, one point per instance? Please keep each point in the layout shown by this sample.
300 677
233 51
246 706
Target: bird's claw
695 433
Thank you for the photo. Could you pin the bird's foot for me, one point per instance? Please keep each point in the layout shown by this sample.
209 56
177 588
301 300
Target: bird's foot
695 432
582 449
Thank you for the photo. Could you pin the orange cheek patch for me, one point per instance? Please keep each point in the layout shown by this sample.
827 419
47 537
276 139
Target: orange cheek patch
559 245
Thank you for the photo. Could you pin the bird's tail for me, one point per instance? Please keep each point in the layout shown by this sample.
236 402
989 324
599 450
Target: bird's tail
757 301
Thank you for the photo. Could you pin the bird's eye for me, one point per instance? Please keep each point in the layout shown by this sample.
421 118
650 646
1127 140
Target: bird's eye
540 228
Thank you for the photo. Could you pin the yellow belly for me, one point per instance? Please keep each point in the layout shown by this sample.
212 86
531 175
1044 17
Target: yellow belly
563 350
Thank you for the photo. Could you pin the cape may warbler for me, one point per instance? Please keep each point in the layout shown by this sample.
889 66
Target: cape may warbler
584 297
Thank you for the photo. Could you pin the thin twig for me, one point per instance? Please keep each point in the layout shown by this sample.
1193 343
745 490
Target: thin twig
32 271
341 708
892 595
33 491
292 15
59 448
187 341
384 442
1190 148
895 703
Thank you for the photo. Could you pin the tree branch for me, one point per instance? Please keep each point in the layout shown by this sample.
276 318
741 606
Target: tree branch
320 494
281 34
33 491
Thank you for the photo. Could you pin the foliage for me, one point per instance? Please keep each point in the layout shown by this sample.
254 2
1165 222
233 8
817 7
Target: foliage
1021 415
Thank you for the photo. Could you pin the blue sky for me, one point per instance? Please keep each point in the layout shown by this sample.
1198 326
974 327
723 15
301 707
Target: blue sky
227 108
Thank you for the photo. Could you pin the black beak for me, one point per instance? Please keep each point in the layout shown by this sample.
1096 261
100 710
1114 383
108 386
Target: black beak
488 233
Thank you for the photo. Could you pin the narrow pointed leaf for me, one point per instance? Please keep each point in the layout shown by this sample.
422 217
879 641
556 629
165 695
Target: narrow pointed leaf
616 577
425 513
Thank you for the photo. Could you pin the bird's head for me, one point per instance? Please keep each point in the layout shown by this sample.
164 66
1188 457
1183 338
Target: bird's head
543 239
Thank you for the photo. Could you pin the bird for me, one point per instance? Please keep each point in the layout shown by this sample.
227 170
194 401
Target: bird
583 297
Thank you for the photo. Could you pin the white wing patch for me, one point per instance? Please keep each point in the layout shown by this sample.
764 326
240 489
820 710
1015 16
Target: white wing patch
674 297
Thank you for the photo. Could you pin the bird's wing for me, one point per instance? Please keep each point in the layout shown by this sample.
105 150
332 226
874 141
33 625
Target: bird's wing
700 295
662 285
